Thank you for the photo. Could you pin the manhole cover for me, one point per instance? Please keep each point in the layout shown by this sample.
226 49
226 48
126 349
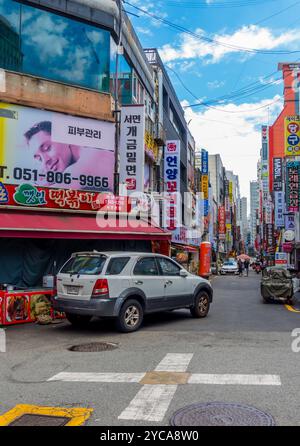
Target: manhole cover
39 420
221 414
94 347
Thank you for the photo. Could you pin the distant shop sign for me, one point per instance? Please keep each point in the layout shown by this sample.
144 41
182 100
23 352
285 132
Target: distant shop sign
292 136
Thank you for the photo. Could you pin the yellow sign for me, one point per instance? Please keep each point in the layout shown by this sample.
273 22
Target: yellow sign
205 187
151 147
292 136
230 191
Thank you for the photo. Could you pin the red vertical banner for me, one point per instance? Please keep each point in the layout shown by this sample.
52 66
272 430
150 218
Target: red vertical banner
222 222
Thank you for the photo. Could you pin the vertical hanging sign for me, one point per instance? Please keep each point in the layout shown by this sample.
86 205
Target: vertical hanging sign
132 148
293 185
172 185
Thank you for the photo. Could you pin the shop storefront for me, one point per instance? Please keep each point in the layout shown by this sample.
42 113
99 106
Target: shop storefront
56 182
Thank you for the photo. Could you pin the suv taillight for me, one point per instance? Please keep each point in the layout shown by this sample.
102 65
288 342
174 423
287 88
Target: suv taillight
100 288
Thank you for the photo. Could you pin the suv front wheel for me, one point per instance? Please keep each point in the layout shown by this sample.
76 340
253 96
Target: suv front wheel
201 307
130 317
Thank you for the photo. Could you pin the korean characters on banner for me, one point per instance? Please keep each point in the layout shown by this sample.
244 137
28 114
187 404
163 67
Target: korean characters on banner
279 209
222 223
270 237
292 185
50 150
204 162
292 136
132 149
172 203
265 142
269 213
277 174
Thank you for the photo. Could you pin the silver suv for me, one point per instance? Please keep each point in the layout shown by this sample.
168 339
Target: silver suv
125 286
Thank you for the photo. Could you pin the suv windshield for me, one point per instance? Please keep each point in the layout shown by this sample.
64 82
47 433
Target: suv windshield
83 264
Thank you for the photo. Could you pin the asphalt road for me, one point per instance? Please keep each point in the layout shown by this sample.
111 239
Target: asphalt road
241 336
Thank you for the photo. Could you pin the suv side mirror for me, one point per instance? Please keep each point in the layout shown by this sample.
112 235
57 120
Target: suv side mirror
183 273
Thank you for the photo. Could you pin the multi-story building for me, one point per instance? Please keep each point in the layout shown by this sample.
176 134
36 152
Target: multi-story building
244 218
217 178
172 126
64 78
254 210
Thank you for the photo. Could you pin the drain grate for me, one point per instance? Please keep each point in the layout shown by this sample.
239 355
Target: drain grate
94 347
39 420
221 414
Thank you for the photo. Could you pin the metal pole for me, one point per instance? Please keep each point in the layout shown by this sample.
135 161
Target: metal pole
116 108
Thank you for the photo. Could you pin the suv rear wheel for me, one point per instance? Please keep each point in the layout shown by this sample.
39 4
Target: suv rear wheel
201 307
78 320
130 317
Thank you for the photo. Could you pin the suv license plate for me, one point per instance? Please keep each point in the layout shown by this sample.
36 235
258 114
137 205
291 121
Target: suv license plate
73 290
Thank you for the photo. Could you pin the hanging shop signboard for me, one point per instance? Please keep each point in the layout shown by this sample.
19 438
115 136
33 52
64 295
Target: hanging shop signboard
279 209
293 185
205 186
277 174
204 162
292 135
172 213
132 148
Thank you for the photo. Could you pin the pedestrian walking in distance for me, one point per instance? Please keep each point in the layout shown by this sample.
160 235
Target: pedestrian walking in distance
240 265
246 264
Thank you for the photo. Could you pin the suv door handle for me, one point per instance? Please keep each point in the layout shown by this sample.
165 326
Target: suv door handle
139 282
169 282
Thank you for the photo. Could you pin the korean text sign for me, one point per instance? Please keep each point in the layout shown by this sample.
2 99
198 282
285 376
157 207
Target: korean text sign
279 209
204 162
277 174
293 185
292 136
48 149
172 184
132 147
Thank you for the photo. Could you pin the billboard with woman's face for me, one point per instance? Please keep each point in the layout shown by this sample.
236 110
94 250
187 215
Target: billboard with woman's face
53 150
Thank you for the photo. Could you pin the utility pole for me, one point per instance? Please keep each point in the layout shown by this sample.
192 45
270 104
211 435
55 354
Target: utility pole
117 111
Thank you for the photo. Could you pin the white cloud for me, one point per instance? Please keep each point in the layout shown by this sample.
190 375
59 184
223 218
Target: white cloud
146 31
251 36
235 136
215 84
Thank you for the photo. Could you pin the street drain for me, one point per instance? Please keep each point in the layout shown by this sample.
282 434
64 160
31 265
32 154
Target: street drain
39 420
221 414
94 347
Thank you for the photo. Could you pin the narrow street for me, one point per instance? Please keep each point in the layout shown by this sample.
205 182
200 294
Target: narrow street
242 338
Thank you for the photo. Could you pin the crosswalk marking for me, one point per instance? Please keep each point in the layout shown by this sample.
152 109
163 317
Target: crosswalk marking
174 362
150 404
247 380
99 377
159 386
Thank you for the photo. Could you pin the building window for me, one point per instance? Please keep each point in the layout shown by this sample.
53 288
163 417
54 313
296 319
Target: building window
50 46
127 80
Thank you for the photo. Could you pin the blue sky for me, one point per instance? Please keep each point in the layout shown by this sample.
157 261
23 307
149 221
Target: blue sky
213 70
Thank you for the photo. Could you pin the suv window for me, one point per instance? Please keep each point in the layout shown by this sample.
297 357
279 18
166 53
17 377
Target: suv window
90 265
168 268
146 267
117 265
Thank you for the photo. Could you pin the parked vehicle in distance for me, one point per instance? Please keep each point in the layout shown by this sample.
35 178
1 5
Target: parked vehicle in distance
230 267
125 286
277 285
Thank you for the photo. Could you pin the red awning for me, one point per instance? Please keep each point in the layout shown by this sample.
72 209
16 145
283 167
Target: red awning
186 248
66 226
